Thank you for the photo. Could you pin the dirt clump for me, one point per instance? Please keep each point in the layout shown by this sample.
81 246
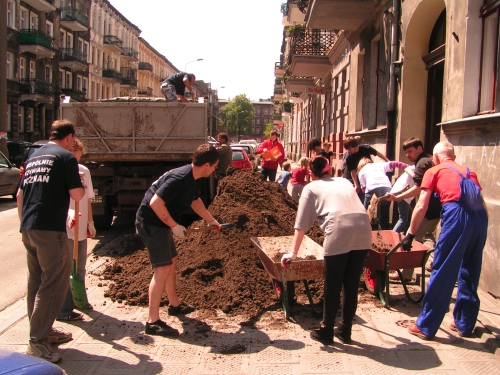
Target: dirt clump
220 270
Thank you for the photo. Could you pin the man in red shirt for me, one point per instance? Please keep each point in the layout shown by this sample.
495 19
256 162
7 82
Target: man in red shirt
270 165
459 249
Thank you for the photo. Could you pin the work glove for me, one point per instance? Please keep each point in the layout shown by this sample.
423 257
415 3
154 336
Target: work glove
264 150
406 243
179 231
91 232
72 218
286 259
216 224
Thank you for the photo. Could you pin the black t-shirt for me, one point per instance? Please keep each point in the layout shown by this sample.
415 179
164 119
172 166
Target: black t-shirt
324 154
50 173
178 81
177 188
365 151
423 163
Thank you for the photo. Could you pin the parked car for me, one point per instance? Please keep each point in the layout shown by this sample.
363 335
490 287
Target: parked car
33 147
17 150
13 363
9 177
240 158
252 155
252 142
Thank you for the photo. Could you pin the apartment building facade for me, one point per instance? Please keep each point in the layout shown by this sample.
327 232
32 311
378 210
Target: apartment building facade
393 69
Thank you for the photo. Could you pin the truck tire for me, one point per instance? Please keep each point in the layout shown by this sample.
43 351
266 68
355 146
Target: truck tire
104 221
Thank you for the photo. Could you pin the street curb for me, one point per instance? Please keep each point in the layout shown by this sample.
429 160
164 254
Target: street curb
14 313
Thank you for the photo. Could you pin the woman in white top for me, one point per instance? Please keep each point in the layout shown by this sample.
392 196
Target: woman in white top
341 216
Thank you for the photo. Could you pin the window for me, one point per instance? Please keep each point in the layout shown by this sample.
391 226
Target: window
22 67
86 51
21 119
31 119
9 117
48 73
61 79
488 62
68 80
257 130
49 28
10 65
265 112
10 14
32 69
23 18
69 40
79 83
34 22
257 121
80 45
85 85
62 39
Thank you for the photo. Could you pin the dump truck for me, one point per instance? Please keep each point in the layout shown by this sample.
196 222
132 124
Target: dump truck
130 144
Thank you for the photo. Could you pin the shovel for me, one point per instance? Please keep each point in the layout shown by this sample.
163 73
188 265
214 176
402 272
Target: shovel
206 228
77 286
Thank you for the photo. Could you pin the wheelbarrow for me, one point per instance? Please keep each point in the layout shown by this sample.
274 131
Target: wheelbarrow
385 255
303 269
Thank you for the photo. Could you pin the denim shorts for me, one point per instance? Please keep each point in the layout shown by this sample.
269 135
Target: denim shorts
159 242
169 92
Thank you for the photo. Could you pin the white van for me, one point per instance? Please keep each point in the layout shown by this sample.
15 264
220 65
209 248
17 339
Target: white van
249 142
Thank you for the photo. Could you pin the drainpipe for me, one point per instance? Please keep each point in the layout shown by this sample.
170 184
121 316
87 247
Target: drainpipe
395 18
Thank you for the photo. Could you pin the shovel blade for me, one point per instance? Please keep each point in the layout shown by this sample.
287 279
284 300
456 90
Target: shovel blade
78 290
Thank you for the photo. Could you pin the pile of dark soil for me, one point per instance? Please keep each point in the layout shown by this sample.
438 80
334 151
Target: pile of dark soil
220 270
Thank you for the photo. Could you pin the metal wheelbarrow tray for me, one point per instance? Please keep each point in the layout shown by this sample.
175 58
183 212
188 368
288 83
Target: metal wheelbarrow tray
303 269
385 255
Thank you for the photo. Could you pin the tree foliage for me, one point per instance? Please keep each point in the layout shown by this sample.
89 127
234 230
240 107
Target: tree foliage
269 127
238 115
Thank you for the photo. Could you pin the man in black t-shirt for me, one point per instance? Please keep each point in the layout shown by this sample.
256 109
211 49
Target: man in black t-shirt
174 86
50 179
315 146
173 194
355 152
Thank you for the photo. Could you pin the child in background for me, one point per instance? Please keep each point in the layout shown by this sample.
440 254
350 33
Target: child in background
285 176
300 178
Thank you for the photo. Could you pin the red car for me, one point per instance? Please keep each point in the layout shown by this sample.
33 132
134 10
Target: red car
240 158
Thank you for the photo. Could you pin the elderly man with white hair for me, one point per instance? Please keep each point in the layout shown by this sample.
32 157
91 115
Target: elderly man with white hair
459 249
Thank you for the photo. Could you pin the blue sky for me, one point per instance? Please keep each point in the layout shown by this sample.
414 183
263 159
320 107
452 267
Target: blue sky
239 41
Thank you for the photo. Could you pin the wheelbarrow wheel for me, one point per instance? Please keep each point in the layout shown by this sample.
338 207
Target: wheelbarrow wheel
278 289
374 281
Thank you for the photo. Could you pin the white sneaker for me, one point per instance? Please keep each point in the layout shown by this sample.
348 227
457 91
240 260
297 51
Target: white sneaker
43 350
57 336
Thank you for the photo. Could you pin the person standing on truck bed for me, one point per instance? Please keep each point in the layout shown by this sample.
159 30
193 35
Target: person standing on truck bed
174 86
174 193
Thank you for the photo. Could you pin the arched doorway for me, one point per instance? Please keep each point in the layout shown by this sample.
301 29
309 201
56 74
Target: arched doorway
434 64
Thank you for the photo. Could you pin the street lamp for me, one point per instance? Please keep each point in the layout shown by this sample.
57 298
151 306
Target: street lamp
238 126
185 66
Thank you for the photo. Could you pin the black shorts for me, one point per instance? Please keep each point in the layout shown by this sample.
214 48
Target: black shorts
159 242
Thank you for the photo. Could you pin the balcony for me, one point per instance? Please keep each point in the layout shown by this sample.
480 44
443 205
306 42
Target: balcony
145 66
73 59
338 14
76 95
35 42
111 75
298 84
148 91
129 77
74 20
42 5
279 69
293 11
308 54
278 91
36 90
112 43
13 86
129 54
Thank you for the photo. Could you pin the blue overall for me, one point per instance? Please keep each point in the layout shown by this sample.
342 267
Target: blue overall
459 251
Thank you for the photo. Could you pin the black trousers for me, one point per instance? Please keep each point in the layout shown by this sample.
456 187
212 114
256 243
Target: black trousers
342 270
271 173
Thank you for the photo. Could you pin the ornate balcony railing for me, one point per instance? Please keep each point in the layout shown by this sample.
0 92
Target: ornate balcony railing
148 91
36 86
111 39
72 54
277 116
72 14
287 107
145 66
127 51
12 85
128 76
30 36
79 96
314 42
111 73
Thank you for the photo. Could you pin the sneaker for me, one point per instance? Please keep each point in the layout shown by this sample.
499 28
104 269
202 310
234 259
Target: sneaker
182 309
43 349
59 337
454 328
344 339
160 328
324 335
414 330
72 317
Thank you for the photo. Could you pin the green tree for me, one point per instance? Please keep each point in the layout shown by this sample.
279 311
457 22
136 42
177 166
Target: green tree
239 115
269 127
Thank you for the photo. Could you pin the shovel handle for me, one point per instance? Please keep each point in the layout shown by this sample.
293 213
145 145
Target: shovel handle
75 234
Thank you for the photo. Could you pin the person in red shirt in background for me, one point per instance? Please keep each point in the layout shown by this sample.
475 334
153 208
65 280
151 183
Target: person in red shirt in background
300 178
270 166
459 249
